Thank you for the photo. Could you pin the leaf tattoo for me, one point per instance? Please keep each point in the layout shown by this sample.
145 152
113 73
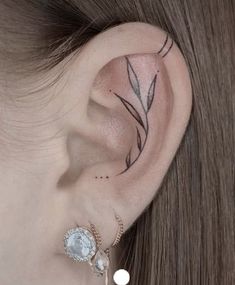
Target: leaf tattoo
151 93
139 140
128 160
141 119
131 109
133 78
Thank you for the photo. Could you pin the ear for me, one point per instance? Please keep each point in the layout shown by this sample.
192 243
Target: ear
134 105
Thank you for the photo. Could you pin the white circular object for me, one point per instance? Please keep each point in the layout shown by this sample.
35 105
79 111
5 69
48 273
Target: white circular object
121 277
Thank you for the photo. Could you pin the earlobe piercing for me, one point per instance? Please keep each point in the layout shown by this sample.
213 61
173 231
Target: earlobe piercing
80 244
85 245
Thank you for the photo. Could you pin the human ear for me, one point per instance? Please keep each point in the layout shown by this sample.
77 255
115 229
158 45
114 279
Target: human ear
135 101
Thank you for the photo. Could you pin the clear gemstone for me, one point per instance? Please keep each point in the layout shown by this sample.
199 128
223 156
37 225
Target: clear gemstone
80 244
100 262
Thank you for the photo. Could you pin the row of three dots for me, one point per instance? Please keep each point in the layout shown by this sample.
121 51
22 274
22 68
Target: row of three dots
101 177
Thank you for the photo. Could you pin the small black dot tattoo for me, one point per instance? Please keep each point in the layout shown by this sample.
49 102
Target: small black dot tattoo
102 177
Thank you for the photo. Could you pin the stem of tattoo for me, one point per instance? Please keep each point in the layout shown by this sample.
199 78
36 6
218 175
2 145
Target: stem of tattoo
141 120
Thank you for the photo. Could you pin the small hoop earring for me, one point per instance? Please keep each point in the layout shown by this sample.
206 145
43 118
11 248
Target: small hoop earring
120 230
84 244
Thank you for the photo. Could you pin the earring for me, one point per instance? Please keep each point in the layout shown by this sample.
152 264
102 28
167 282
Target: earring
84 244
100 262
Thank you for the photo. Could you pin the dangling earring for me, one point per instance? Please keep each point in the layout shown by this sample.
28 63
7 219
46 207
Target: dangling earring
84 244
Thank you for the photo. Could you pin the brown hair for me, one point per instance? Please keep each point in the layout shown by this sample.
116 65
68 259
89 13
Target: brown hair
187 234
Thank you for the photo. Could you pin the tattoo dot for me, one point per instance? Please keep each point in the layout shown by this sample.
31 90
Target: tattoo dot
107 177
101 177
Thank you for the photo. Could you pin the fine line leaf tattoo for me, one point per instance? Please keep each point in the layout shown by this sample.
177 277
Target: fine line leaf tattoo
145 104
131 109
141 119
128 160
139 140
151 93
133 78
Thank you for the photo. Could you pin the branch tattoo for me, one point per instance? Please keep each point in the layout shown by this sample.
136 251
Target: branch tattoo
142 120
145 103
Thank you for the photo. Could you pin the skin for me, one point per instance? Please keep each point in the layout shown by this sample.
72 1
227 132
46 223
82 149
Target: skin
56 142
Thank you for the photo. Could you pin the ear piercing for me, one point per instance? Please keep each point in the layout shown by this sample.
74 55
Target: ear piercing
84 245
80 244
